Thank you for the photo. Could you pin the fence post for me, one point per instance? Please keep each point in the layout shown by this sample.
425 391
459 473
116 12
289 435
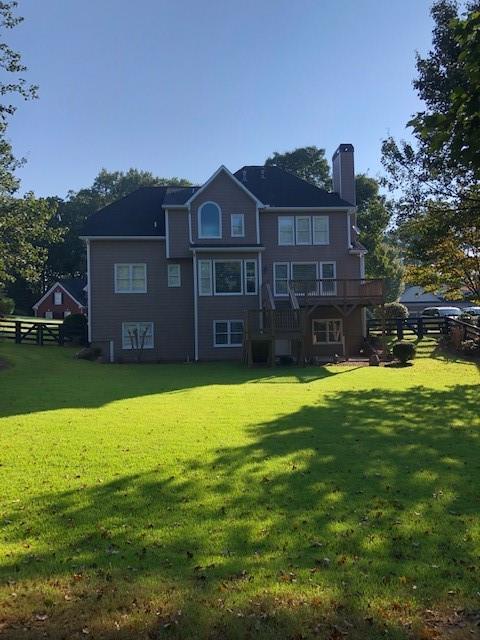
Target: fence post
446 325
420 328
61 336
18 332
40 335
399 328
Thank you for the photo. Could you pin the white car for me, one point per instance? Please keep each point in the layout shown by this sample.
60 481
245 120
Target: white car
441 312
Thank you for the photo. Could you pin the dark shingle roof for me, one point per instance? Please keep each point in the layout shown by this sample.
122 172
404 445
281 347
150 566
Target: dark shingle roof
179 196
278 188
138 214
76 286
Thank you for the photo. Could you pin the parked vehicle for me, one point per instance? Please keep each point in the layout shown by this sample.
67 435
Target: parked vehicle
472 311
441 312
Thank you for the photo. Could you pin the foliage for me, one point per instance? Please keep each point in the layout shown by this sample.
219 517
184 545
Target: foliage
470 348
439 204
308 163
374 216
89 353
24 228
7 305
206 501
404 351
75 323
392 310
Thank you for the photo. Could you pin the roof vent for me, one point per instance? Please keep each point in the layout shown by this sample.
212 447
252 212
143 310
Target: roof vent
262 173
155 224
244 175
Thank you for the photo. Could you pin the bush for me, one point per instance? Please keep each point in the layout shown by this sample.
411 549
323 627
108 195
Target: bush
89 353
7 305
392 310
404 351
76 323
470 348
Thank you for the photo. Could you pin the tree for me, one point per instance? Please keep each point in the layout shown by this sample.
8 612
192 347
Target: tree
438 208
374 215
23 221
308 163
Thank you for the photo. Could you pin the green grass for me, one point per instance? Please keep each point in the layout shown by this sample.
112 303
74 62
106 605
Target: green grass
213 501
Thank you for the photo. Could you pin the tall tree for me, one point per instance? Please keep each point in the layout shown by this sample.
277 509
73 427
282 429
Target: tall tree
308 163
23 221
438 176
374 216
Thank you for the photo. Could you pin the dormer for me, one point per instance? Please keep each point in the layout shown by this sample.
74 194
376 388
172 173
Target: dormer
224 212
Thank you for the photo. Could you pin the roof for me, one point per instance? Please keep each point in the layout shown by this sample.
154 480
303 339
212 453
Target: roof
138 214
279 188
75 287
415 293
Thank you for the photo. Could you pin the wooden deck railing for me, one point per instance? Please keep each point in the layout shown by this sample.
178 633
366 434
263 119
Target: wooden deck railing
368 290
274 322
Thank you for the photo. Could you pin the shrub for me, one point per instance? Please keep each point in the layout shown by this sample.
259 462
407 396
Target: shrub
470 348
392 310
404 351
89 353
7 305
76 323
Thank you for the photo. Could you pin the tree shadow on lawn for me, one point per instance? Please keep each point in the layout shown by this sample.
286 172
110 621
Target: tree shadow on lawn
49 378
364 507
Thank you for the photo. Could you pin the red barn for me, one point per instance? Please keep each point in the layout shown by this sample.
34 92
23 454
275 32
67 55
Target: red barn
62 299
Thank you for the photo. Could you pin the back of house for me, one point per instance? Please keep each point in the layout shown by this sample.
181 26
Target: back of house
197 273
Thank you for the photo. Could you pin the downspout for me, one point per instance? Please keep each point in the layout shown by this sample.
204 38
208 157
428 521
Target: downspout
89 295
195 306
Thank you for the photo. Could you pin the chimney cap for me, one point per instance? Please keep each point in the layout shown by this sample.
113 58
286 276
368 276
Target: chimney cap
344 147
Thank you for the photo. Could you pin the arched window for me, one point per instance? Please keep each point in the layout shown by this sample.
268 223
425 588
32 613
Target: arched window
209 221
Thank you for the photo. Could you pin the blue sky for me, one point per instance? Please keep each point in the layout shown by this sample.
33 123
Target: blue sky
178 87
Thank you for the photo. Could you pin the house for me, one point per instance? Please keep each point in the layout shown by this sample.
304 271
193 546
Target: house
62 299
416 299
254 264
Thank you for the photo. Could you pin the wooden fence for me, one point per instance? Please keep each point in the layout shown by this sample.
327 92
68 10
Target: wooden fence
422 327
36 332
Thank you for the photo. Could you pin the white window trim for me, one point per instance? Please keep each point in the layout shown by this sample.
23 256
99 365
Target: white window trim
286 244
129 347
275 292
250 293
237 235
210 271
320 274
49 315
327 320
199 220
309 218
328 231
55 294
215 293
229 334
171 278
130 265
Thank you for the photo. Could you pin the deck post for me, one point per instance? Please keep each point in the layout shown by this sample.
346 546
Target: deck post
384 332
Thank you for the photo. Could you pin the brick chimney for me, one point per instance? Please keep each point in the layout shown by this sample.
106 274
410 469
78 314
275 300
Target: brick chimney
343 173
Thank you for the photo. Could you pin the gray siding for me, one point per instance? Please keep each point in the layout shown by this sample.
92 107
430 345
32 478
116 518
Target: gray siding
178 233
170 309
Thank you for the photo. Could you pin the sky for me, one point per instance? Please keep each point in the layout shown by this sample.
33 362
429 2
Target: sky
179 87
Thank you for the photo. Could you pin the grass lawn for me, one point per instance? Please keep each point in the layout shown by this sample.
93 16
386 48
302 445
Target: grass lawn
213 501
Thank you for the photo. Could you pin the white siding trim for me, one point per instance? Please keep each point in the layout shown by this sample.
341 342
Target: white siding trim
167 239
195 308
223 168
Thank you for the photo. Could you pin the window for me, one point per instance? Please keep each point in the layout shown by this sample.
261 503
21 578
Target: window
130 278
237 221
137 335
250 277
321 230
57 297
209 221
327 272
303 226
304 275
205 277
280 278
174 275
49 315
227 277
228 333
327 331
286 230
